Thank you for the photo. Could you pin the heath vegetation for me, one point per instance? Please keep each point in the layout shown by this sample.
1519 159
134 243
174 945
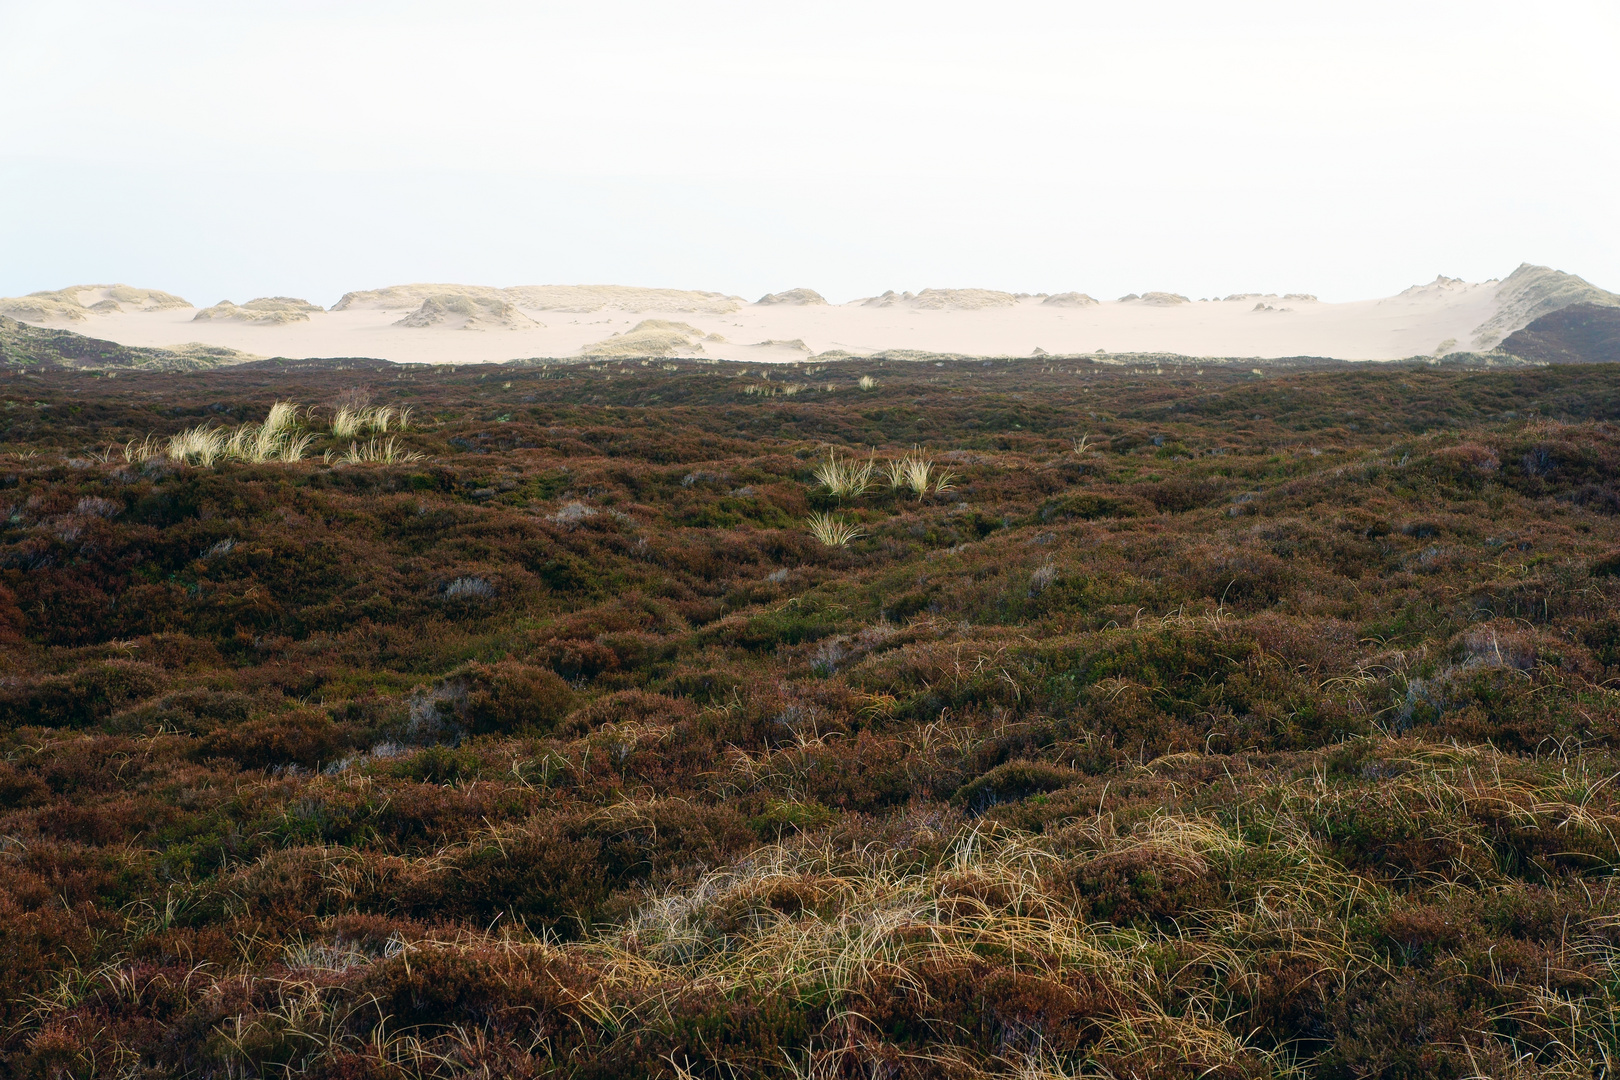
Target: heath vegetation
1154 721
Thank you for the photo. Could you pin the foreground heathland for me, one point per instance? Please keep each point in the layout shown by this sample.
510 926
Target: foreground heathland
1141 721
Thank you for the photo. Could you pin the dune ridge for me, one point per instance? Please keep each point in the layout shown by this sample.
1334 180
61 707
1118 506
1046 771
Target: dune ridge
1155 299
945 299
650 337
23 345
1531 292
405 322
580 299
265 311
76 303
793 297
465 311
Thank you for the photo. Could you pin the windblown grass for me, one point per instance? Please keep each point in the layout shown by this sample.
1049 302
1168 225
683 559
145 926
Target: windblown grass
916 472
197 446
349 421
277 438
844 479
373 452
832 531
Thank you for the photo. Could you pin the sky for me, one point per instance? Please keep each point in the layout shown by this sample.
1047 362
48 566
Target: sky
228 151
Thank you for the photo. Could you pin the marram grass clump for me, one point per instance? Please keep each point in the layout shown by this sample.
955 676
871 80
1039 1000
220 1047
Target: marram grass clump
846 479
277 438
832 531
915 472
350 421
372 452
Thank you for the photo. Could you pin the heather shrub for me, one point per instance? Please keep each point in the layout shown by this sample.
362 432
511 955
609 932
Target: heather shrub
1012 782
627 707
302 737
508 697
81 698
1266 732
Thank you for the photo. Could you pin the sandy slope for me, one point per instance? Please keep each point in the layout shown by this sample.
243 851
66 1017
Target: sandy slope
564 321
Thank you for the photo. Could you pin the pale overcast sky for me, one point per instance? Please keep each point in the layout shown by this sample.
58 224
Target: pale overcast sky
232 150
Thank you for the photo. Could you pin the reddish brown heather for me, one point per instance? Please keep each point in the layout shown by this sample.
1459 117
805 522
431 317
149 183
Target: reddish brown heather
1205 725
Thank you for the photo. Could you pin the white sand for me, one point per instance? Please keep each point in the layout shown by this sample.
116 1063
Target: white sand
1423 320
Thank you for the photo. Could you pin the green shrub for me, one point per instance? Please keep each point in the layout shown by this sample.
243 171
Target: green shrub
1012 782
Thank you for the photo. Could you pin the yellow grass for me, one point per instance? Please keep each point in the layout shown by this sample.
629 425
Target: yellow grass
917 473
844 479
373 452
832 531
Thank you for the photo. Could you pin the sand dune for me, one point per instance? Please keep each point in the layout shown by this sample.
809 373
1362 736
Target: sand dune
588 298
797 297
945 299
265 311
414 323
465 311
651 337
411 297
1531 292
77 303
581 299
1155 299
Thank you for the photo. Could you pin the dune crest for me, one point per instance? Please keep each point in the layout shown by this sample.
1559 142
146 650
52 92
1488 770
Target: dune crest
1069 299
944 299
78 302
1531 292
650 337
265 311
410 323
588 298
793 297
1301 297
581 299
1155 299
23 345
462 311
